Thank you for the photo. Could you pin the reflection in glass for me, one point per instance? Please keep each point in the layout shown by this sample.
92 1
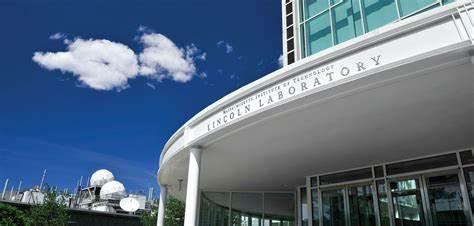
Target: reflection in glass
214 210
333 208
407 203
315 207
304 207
279 209
247 209
383 203
319 35
445 200
469 174
361 205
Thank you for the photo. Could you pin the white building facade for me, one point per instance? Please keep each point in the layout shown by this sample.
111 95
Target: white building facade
370 122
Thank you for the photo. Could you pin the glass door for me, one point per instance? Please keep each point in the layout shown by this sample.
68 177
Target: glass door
445 200
333 207
361 206
407 202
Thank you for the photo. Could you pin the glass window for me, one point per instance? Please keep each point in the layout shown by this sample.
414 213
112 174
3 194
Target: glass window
469 174
279 209
247 209
383 203
445 199
214 210
315 206
346 21
304 207
407 204
318 33
289 8
352 175
333 208
361 205
448 1
379 13
409 6
313 7
422 164
467 157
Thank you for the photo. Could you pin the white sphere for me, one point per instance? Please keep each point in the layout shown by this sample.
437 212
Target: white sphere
100 177
112 190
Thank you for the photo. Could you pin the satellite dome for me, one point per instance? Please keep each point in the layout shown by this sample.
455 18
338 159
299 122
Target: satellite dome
100 177
112 190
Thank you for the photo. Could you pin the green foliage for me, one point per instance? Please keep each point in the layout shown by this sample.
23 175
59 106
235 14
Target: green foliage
50 213
149 218
174 214
11 216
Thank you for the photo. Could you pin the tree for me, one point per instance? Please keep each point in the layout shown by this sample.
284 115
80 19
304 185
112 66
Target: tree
174 214
50 213
12 216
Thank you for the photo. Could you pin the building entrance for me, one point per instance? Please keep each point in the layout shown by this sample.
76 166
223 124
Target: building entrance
434 200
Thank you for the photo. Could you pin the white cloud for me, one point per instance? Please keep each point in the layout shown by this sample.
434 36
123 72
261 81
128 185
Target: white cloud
161 58
98 64
280 60
57 36
105 65
222 44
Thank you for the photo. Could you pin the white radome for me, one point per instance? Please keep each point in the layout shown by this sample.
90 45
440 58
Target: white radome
100 177
113 190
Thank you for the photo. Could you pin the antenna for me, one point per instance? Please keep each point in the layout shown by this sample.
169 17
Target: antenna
129 204
11 193
80 182
4 188
42 180
19 187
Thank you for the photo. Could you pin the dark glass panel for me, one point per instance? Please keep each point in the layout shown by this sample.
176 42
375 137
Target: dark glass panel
383 203
469 175
289 32
290 45
446 200
289 20
315 206
289 8
467 157
304 207
314 181
359 174
291 57
333 208
422 164
378 171
361 205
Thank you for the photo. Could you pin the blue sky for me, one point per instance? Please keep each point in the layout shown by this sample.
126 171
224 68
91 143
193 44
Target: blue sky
112 80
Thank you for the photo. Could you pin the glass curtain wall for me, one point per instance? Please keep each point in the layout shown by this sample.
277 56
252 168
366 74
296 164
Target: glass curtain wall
325 23
430 191
247 209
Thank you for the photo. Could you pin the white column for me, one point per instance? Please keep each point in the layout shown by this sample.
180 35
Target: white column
162 206
192 192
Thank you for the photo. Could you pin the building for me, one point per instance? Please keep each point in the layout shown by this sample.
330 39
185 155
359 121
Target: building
370 122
